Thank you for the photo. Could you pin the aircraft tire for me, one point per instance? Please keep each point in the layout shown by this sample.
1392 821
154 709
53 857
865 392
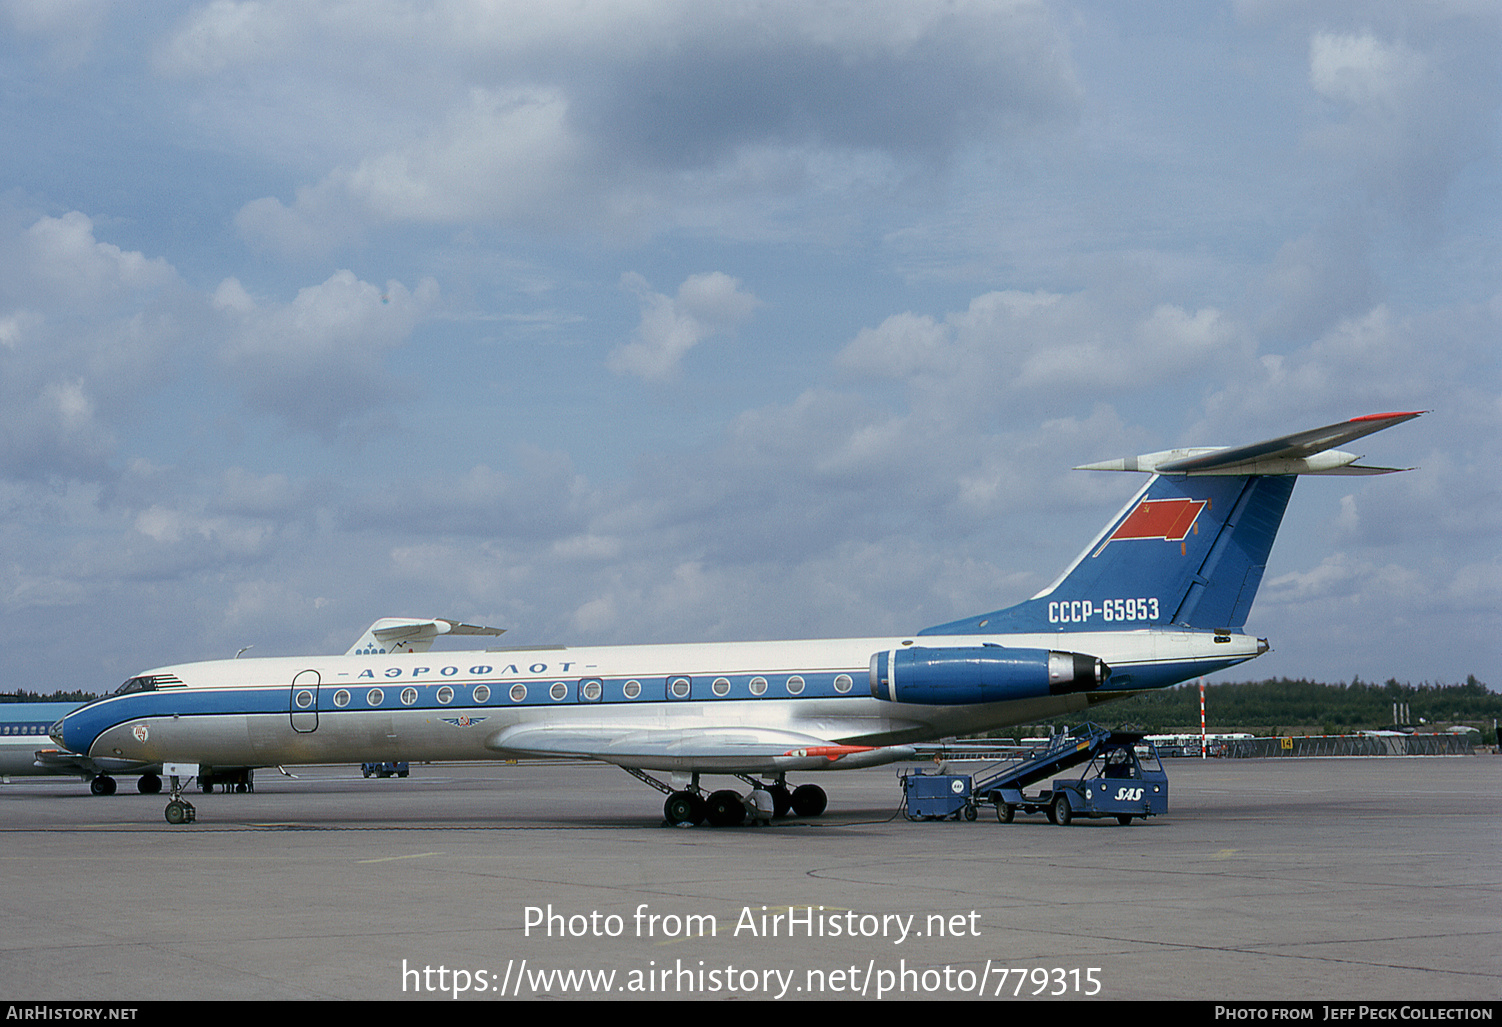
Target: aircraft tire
1062 814
809 800
1123 819
102 785
176 812
683 809
149 784
725 809
782 800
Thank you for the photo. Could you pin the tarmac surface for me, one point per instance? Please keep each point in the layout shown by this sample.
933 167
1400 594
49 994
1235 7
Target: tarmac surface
1372 879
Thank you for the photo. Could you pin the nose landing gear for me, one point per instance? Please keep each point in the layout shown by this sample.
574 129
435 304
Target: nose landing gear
180 810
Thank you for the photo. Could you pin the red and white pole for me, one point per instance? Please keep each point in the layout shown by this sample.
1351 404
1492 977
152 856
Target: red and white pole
1204 748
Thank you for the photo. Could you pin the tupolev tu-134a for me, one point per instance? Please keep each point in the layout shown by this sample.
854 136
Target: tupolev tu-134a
1160 596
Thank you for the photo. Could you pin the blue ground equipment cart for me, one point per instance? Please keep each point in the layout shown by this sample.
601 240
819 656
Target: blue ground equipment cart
385 768
938 796
1119 781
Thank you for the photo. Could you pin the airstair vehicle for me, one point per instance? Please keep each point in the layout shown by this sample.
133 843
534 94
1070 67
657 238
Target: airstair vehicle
1119 781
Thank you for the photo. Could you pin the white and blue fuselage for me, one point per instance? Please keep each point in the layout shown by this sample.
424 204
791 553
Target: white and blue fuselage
747 706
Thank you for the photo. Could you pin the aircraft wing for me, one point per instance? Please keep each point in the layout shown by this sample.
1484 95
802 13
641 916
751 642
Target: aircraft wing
727 749
60 761
1305 452
411 634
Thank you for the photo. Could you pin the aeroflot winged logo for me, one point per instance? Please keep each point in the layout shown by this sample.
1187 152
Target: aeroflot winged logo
1170 520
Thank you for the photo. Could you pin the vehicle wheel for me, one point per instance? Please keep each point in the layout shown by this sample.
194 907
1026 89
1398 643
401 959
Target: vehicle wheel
1123 819
176 813
102 785
1005 811
971 813
149 784
809 800
782 800
683 809
725 809
1061 811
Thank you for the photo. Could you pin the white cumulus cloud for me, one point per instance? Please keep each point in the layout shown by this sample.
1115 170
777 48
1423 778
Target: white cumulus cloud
318 360
706 305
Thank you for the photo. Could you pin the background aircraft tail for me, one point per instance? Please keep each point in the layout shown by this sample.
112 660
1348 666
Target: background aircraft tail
1190 549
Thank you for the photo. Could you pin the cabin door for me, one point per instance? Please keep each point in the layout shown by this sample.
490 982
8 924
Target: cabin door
302 702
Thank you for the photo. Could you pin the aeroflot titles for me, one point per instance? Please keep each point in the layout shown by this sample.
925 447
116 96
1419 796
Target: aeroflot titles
1079 611
448 672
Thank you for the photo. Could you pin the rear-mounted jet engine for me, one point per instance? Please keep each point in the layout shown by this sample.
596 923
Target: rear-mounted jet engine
981 674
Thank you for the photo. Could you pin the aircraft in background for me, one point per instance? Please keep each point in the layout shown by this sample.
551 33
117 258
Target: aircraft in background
27 751
1160 596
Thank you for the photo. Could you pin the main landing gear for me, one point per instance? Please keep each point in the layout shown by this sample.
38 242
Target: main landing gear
690 807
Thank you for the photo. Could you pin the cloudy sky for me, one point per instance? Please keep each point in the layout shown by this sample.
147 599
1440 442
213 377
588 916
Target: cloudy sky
658 320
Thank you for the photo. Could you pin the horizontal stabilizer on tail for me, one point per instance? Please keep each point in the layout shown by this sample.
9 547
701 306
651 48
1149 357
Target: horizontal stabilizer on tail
411 634
1305 452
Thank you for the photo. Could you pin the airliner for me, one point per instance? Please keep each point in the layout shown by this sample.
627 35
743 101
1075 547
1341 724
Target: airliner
1161 595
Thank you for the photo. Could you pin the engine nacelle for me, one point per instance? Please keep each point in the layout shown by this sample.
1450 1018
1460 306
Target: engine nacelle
980 674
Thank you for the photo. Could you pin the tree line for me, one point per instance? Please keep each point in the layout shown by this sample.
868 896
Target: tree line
1285 705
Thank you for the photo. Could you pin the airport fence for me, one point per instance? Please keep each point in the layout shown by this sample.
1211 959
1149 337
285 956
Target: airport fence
1351 745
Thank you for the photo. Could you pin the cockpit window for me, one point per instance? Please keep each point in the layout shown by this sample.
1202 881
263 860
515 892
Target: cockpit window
144 684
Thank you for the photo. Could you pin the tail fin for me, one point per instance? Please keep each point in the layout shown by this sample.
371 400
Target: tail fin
1190 549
